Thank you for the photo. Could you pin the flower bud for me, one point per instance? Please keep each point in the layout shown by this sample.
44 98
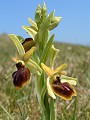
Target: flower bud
54 22
38 15
44 12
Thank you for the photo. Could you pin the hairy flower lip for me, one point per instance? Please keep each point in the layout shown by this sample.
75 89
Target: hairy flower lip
63 90
22 76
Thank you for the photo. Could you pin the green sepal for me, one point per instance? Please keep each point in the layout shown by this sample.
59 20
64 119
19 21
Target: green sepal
31 30
46 51
34 67
38 15
32 23
18 44
21 39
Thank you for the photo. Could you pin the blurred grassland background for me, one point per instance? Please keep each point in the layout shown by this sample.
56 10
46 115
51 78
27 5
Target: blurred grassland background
22 104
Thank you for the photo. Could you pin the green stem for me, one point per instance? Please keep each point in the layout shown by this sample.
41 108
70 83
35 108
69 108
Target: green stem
46 103
43 103
52 109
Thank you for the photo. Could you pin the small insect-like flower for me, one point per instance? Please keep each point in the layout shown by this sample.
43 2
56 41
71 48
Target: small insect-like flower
58 83
23 61
22 76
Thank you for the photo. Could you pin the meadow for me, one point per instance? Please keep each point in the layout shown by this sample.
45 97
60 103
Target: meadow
22 104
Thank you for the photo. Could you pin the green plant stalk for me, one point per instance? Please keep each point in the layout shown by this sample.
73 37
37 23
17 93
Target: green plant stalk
42 102
45 44
48 107
52 109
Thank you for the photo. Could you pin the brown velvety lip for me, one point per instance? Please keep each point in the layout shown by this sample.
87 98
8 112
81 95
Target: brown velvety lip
21 76
62 89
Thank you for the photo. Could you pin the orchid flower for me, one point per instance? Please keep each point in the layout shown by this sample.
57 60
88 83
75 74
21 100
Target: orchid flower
58 83
23 62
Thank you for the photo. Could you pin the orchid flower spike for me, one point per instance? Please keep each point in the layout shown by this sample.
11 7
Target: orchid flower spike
58 83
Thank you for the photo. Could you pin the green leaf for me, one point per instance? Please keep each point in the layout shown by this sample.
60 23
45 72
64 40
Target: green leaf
42 44
46 51
31 30
43 92
19 46
45 39
53 54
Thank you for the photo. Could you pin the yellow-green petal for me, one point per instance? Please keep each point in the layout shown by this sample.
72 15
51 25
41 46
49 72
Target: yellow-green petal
47 70
29 53
70 80
60 68
50 92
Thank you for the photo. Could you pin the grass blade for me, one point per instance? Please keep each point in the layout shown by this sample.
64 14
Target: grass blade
7 113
